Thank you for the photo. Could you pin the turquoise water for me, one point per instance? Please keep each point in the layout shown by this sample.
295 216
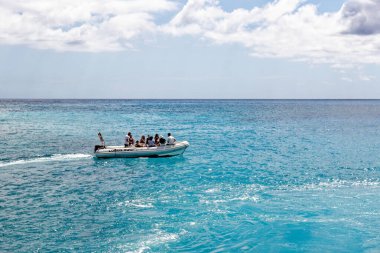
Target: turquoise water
259 176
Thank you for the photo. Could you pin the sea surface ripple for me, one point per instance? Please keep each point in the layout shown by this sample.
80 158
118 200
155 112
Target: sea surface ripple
259 176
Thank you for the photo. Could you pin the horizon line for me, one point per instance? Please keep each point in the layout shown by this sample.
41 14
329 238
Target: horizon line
189 98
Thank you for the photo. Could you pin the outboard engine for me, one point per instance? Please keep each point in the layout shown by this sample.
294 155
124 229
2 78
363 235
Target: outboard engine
98 147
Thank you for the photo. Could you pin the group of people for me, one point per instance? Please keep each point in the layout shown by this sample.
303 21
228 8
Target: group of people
149 141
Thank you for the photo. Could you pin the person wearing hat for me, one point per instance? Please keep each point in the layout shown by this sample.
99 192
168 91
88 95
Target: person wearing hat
162 140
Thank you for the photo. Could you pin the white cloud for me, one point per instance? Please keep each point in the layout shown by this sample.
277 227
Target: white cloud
86 25
289 29
292 29
346 79
367 78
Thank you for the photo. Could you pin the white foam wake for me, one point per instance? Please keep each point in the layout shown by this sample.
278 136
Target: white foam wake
149 241
55 157
332 185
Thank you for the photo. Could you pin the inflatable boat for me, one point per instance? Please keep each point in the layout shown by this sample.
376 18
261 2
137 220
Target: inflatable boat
133 152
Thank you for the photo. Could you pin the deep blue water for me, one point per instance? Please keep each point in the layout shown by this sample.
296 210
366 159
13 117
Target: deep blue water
259 176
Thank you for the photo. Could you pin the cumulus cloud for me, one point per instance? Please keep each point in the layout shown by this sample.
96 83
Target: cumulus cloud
288 29
292 29
363 16
86 25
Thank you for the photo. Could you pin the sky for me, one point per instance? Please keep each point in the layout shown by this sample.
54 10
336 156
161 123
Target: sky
230 49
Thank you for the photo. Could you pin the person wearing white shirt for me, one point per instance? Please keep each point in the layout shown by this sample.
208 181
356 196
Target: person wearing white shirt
171 140
126 140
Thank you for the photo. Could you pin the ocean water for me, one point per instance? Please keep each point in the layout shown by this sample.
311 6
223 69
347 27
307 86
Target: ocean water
259 176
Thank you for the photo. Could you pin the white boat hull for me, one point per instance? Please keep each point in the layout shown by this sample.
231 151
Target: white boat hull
133 152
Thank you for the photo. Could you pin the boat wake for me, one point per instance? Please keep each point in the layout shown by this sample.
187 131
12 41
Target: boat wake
334 184
55 157
147 242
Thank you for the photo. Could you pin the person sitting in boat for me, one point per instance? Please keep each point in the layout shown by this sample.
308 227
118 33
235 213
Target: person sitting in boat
126 140
139 144
131 140
151 142
162 140
171 139
142 141
157 140
147 140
